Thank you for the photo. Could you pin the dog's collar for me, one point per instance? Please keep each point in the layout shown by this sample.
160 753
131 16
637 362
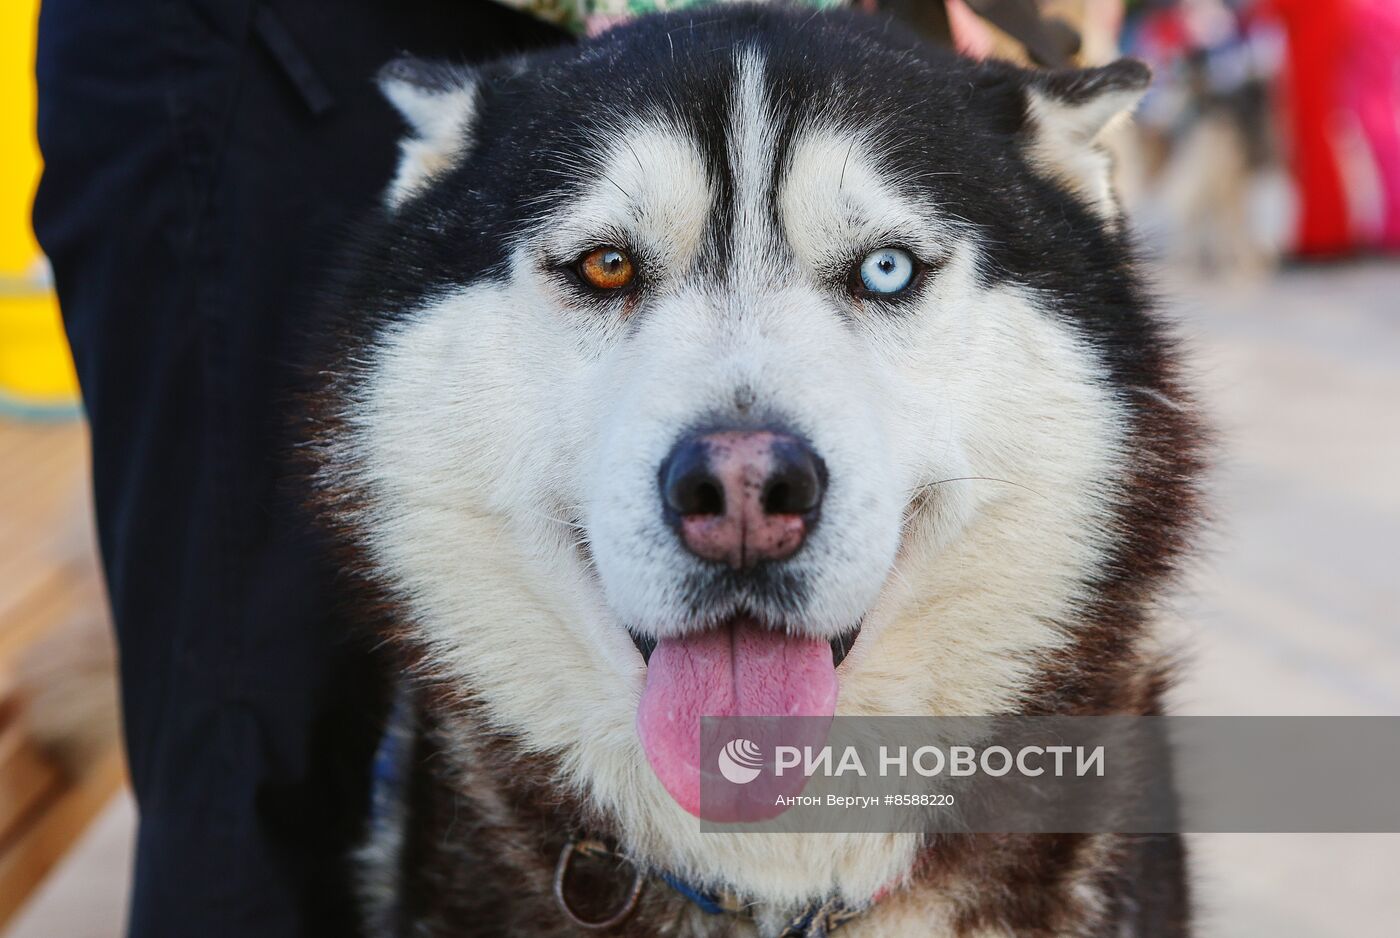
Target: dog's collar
819 919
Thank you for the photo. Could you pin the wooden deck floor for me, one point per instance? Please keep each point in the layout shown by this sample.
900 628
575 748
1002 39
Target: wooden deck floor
49 589
48 568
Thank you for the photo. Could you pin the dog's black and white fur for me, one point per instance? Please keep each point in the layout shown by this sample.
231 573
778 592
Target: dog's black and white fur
1012 461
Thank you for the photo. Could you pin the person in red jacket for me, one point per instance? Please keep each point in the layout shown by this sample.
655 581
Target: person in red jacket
1317 42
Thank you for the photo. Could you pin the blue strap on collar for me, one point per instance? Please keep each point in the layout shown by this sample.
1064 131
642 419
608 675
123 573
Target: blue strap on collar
818 920
707 902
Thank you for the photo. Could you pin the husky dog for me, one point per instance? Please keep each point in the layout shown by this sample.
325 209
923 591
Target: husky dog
747 361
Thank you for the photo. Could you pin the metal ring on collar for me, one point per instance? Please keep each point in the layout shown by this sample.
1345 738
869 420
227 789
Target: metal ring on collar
561 874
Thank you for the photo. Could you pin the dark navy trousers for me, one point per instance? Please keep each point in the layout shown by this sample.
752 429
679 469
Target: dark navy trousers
201 158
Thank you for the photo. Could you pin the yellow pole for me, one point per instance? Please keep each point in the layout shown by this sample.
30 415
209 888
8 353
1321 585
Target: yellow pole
36 370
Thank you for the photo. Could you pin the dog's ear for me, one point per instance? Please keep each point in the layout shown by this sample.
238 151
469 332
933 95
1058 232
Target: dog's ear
439 102
1068 111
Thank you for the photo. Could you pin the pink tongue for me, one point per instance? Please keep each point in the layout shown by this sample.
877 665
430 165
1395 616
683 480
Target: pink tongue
737 670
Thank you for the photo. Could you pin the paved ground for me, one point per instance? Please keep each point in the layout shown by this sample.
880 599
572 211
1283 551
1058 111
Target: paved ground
1296 610
1298 602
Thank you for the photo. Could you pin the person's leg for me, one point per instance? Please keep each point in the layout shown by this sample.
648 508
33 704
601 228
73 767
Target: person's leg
201 156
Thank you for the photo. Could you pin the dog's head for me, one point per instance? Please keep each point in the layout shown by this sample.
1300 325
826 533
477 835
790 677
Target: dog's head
689 355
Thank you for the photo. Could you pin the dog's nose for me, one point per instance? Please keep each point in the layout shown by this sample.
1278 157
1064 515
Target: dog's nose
742 497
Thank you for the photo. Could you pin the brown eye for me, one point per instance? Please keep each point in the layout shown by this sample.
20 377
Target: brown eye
607 268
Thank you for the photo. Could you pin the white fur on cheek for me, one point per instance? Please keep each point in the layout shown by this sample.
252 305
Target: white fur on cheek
1004 423
998 557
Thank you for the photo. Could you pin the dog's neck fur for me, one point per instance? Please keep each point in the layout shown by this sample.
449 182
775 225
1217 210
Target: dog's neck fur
489 820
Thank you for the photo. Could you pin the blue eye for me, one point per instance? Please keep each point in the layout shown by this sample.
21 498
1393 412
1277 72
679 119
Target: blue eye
887 271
